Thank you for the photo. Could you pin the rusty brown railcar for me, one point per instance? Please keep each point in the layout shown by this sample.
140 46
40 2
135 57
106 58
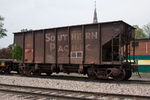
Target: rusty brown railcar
92 49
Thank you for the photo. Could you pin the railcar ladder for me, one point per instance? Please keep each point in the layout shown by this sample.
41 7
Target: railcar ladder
115 45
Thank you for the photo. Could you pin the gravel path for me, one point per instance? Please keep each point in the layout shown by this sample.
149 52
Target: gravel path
135 89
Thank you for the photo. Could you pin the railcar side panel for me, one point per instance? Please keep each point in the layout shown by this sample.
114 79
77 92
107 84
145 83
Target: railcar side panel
28 47
76 45
110 41
92 44
50 49
39 46
18 39
63 46
109 30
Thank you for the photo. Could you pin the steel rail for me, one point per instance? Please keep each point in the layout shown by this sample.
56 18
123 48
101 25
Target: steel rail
65 94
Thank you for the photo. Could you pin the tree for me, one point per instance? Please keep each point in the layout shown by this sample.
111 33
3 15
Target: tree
6 53
146 28
139 33
2 30
17 52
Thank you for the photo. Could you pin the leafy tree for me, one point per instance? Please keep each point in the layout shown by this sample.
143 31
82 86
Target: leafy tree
5 53
146 28
17 52
139 33
2 30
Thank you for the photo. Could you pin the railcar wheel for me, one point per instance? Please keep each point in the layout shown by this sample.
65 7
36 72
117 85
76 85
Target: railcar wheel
91 74
21 72
8 70
18 72
121 76
48 73
29 73
128 74
37 73
21 69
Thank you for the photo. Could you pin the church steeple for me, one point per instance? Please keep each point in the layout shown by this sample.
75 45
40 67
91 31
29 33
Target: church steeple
95 20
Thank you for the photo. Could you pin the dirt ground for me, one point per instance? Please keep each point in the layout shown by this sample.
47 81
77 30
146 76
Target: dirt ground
141 76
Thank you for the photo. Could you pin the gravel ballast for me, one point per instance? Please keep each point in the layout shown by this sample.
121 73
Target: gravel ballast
117 88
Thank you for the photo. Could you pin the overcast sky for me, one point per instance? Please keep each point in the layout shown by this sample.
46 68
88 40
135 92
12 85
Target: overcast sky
38 14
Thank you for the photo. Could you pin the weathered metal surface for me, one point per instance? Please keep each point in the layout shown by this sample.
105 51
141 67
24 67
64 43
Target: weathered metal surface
18 39
62 46
28 50
110 30
92 44
39 46
76 45
6 59
111 42
81 44
50 49
92 49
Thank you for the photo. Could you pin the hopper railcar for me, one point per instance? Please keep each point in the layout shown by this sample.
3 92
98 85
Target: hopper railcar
100 50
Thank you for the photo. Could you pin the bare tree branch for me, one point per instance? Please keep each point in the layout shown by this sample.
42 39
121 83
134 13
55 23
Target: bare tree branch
146 28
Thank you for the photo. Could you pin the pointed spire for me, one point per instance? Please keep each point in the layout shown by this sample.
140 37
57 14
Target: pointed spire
95 20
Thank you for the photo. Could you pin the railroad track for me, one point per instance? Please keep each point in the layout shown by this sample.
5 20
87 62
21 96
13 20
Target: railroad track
57 94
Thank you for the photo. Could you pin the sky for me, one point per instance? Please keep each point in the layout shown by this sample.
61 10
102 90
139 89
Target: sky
40 14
